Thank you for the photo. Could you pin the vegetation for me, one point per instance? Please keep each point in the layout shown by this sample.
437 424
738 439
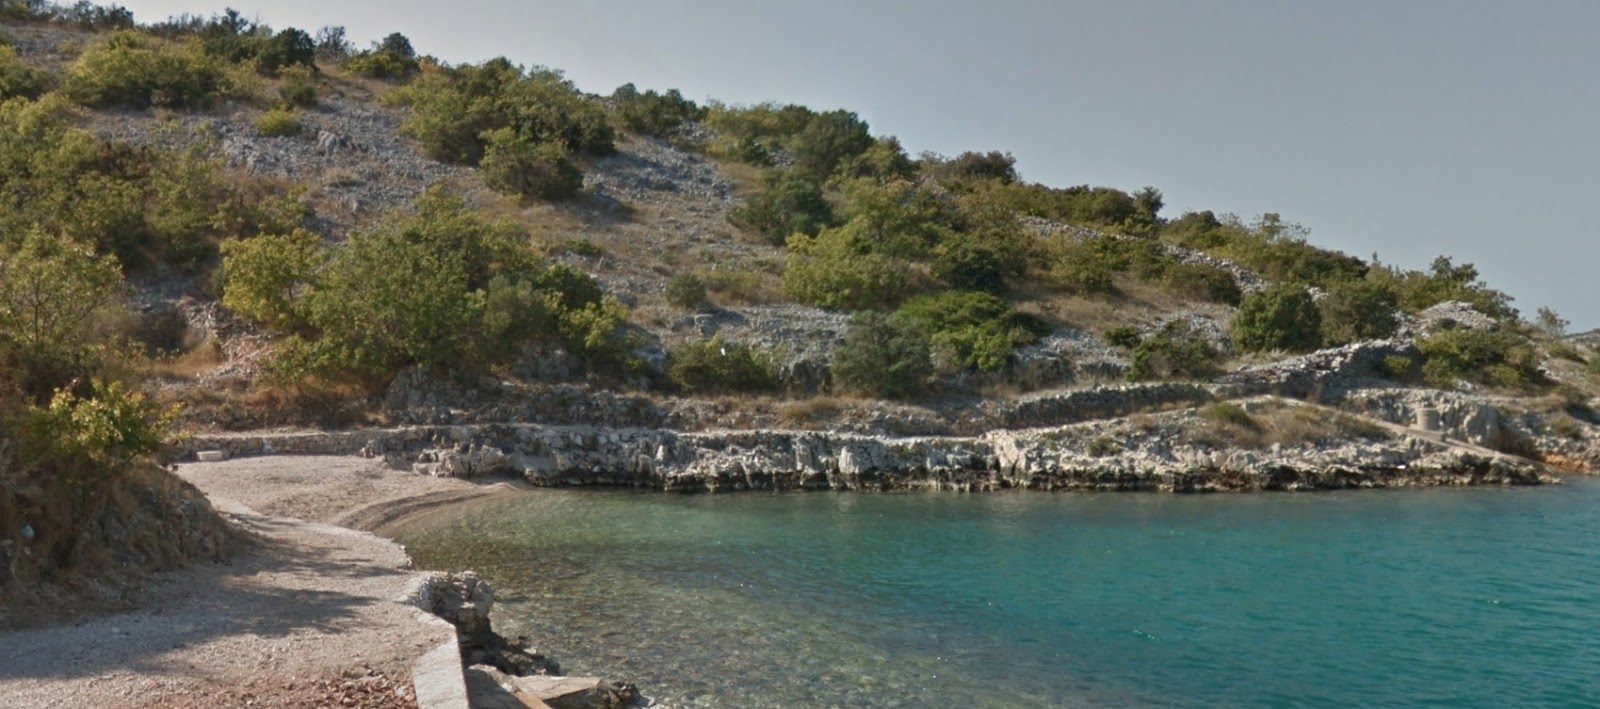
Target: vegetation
1175 351
1500 358
437 286
389 60
718 366
790 203
652 113
882 356
134 70
686 291
1358 310
970 330
1281 317
278 122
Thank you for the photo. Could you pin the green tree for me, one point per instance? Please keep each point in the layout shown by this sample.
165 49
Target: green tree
264 278
55 299
1280 317
719 366
515 165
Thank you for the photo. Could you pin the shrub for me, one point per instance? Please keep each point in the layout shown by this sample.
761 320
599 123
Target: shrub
88 441
263 278
278 122
1202 282
455 111
651 113
1498 358
298 89
1174 351
970 167
965 265
389 60
971 330
717 366
827 140
1445 281
882 356
288 48
1400 368
1124 336
686 291
1229 413
514 165
1356 311
17 79
790 203
1280 317
830 272
135 71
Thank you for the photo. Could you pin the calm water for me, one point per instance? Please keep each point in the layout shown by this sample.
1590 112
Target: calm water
1444 598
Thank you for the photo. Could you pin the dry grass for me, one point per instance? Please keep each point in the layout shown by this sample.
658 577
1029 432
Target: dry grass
1261 425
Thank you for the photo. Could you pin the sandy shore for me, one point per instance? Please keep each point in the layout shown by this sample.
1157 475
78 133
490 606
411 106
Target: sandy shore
309 612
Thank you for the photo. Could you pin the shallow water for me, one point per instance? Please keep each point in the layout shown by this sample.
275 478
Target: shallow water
1446 598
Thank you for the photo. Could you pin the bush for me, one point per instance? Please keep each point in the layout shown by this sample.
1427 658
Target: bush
1281 317
1357 311
382 66
263 278
830 272
882 356
278 122
828 140
514 165
17 79
650 113
717 366
686 291
965 265
1497 358
1124 336
1174 351
790 203
1444 281
1229 413
971 330
89 441
1202 282
298 89
1400 368
132 70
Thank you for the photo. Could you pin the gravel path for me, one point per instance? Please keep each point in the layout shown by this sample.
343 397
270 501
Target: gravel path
306 614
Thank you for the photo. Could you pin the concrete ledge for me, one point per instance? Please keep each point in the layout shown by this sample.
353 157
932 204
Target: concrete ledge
437 678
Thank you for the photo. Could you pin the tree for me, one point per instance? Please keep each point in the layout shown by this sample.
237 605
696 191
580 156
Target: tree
53 299
882 356
1280 317
791 203
829 139
1551 323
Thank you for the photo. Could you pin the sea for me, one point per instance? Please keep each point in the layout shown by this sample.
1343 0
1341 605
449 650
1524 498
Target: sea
1473 597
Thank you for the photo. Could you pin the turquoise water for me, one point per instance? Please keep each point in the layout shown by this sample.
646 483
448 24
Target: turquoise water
1441 598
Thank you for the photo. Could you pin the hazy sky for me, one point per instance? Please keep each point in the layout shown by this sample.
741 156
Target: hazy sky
1409 128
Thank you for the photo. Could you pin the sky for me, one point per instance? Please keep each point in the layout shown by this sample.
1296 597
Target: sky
1403 129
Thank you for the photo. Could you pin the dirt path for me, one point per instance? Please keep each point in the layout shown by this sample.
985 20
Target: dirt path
306 614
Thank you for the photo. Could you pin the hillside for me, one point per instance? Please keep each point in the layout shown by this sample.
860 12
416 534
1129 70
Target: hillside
258 229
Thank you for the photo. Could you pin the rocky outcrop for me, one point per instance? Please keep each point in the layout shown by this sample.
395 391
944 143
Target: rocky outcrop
464 600
504 673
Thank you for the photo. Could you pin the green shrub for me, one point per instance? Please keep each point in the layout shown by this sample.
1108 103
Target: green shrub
789 203
135 71
514 165
1280 317
17 78
278 122
971 330
1124 336
882 356
87 441
264 277
1175 351
299 90
1202 282
686 291
1103 447
1444 281
1498 358
829 271
1401 368
389 60
651 113
717 366
966 265
828 140
1358 310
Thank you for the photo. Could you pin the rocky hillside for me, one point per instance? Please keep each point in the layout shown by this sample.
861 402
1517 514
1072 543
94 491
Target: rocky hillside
639 262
